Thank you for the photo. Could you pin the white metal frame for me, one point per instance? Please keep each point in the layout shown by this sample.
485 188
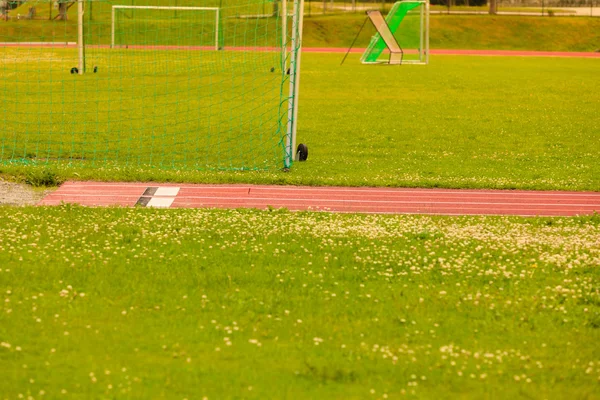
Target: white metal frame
423 35
80 40
294 90
295 52
117 7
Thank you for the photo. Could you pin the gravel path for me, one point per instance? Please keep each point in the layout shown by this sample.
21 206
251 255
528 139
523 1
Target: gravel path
18 194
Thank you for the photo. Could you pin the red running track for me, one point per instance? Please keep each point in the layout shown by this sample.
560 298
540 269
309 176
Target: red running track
335 199
457 52
497 53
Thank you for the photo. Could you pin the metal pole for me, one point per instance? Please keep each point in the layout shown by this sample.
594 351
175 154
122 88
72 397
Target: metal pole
80 43
354 41
289 141
217 30
427 33
542 8
284 35
294 90
297 80
112 28
421 33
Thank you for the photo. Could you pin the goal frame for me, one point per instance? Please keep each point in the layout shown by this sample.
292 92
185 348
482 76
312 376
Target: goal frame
295 51
291 54
423 50
217 11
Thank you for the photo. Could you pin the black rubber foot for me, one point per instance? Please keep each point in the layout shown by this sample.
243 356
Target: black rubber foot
95 69
302 152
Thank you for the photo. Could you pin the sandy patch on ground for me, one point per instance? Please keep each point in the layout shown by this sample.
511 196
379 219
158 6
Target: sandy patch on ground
18 194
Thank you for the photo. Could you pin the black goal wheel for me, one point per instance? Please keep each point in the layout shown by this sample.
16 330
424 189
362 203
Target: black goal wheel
74 70
302 152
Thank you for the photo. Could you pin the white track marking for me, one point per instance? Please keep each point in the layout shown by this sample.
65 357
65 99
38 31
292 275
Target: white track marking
167 191
160 202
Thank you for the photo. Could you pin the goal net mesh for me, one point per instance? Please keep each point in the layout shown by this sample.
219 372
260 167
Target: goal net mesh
164 84
406 21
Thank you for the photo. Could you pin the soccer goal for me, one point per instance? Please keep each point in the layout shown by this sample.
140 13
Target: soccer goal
402 36
115 85
202 25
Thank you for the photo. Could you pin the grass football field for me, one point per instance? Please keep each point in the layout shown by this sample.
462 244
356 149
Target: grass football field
175 304
193 304
476 122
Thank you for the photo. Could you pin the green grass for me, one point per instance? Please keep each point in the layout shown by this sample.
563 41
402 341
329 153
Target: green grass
140 303
164 108
477 122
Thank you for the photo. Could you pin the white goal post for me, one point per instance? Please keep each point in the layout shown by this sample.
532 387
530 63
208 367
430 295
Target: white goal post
215 9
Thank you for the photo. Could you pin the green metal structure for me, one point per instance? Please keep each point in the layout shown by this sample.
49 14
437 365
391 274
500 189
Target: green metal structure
408 21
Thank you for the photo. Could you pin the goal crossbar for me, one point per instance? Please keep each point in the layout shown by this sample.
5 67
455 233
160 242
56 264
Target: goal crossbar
174 8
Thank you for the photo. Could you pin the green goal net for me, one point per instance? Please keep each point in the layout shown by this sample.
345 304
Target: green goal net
408 21
183 84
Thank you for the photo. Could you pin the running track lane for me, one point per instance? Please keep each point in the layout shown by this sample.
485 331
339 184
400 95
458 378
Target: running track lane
448 52
335 199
